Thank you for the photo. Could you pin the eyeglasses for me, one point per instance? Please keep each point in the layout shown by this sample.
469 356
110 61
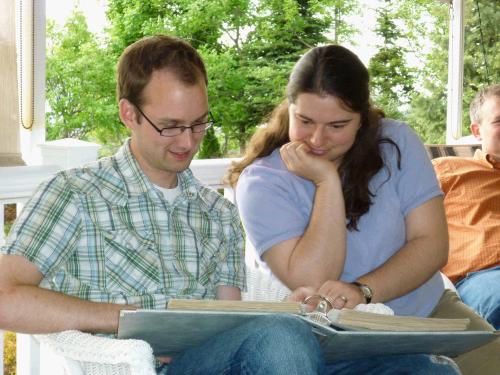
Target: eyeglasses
172 131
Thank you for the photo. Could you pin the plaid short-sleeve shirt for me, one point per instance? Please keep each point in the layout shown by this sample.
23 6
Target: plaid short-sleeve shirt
105 233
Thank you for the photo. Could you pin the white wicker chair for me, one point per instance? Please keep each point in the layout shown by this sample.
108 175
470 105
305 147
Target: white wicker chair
85 354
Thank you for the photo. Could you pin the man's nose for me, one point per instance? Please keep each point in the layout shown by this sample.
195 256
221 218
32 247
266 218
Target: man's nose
185 139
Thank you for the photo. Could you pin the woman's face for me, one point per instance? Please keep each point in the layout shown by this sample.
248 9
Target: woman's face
324 124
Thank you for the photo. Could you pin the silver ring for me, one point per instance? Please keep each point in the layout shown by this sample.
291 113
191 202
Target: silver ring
321 298
343 298
329 301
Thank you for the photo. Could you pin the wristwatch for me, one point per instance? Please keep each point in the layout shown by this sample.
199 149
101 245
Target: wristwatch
365 290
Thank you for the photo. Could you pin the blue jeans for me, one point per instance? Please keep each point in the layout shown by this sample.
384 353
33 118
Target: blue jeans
481 291
285 345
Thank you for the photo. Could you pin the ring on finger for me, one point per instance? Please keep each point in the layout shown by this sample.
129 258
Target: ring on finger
329 301
343 298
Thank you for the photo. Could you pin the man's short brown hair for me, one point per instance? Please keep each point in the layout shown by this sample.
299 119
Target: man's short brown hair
140 59
477 103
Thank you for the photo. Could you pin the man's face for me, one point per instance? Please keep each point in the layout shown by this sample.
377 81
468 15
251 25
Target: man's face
488 131
168 102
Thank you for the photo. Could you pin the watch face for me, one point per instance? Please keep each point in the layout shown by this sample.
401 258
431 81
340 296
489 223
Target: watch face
366 291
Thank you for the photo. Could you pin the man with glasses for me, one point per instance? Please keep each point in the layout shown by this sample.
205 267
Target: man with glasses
138 228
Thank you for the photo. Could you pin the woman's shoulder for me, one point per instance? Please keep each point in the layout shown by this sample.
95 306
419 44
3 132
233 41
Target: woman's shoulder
394 129
269 171
400 133
271 163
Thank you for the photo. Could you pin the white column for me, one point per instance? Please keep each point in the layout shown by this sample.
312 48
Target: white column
27 355
455 72
9 134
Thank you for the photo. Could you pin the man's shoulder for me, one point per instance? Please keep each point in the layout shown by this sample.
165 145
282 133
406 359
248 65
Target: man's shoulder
452 164
94 177
214 199
209 199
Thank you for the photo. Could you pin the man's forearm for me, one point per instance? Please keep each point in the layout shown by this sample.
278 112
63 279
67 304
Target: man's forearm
31 309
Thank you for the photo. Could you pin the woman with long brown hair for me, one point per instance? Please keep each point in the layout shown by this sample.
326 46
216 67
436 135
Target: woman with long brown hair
336 197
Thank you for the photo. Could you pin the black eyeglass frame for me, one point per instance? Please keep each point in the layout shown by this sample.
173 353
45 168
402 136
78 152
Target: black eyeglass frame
207 124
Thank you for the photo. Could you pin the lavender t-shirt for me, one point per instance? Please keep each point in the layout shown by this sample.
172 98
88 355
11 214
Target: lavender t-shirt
275 205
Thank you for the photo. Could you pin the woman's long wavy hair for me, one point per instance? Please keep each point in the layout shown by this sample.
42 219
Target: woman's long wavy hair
336 71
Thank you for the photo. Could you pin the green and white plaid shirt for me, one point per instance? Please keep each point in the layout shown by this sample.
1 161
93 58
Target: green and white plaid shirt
104 233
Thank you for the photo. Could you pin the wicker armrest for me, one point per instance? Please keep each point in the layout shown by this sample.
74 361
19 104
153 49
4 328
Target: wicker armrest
86 354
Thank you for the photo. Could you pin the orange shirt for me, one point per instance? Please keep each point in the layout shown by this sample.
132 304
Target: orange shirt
472 203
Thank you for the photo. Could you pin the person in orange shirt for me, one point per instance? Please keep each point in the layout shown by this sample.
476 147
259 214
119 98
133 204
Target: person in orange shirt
472 203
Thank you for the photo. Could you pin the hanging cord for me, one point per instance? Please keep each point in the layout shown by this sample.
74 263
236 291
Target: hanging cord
482 44
29 126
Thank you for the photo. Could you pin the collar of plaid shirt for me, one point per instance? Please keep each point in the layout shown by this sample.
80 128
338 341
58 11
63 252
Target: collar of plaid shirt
114 189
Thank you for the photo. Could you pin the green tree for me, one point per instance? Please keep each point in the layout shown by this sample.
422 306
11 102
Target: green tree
80 85
210 147
481 66
282 31
391 78
249 48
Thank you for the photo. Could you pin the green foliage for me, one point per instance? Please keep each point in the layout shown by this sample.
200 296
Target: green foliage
429 103
210 148
392 79
9 360
80 85
249 48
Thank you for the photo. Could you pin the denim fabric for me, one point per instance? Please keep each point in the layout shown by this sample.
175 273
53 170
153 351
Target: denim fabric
481 291
285 345
272 344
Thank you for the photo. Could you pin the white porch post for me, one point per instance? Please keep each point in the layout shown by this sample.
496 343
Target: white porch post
455 72
9 135
27 355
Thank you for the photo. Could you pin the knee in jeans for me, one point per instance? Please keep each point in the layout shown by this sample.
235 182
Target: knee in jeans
446 362
286 325
287 329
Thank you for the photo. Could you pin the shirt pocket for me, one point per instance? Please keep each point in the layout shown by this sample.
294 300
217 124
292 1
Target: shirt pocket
211 257
132 264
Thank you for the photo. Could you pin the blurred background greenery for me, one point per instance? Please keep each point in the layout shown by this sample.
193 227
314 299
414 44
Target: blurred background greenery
249 47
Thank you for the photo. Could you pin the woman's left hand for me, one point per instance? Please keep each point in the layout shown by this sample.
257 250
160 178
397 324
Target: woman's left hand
341 294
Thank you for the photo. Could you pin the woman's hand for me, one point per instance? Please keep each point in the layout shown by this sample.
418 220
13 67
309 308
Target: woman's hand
339 293
299 160
301 293
342 294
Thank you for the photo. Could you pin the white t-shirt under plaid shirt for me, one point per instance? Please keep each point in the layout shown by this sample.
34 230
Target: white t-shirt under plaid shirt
104 233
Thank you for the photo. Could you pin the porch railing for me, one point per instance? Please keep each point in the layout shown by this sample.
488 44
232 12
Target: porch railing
17 185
